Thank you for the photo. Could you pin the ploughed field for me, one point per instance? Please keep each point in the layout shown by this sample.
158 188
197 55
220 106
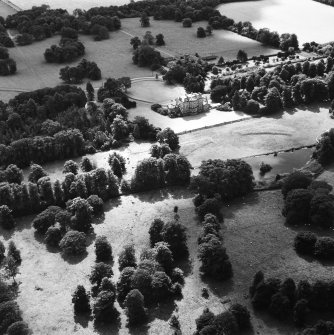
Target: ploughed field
308 19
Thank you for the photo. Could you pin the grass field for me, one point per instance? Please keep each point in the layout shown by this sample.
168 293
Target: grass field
255 237
180 41
114 56
286 16
5 10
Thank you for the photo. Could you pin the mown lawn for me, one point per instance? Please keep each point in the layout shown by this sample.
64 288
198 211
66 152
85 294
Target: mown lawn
180 41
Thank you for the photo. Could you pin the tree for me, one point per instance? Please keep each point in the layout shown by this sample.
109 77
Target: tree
19 328
86 165
241 315
155 231
168 136
174 233
7 220
159 40
9 314
295 180
273 101
103 249
187 23
215 261
164 256
71 167
279 305
127 257
80 300
201 32
11 268
161 286
53 236
124 283
322 210
100 271
96 203
135 42
211 205
144 20
81 214
14 253
149 174
73 243
2 255
14 174
324 248
90 91
242 56
104 310
297 206
304 242
135 310
230 179
300 312
36 173
117 163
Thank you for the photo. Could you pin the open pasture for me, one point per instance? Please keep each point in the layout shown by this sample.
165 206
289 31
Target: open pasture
255 237
180 41
308 19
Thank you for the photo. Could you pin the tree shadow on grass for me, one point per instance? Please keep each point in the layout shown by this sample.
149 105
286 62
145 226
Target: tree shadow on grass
74 259
172 192
229 209
281 326
139 330
185 264
219 288
108 328
162 311
83 319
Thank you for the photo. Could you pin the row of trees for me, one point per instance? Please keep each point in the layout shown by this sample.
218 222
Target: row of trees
75 74
35 196
283 299
307 243
261 92
39 23
151 173
324 151
11 322
233 321
7 65
307 202
211 252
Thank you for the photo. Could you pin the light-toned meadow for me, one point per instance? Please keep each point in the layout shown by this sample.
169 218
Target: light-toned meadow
310 20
